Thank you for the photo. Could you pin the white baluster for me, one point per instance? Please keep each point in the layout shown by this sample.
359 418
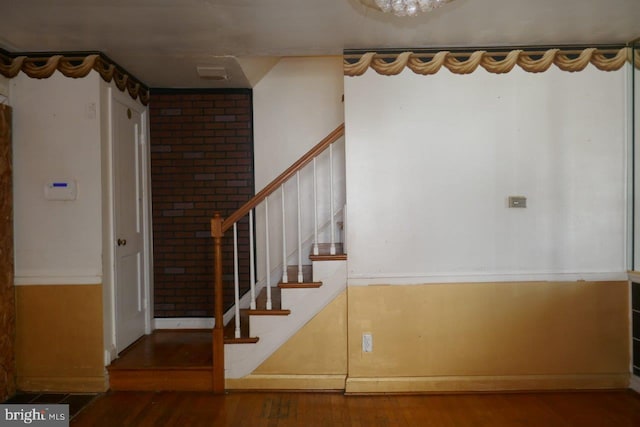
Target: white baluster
285 276
315 209
236 279
332 249
252 267
300 278
267 260
344 229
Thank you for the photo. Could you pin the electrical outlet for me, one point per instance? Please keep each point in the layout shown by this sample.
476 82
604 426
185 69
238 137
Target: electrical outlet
367 343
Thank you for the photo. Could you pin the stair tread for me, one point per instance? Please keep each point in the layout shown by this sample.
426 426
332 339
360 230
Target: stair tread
261 304
167 349
299 285
324 253
261 299
230 331
272 312
292 279
241 340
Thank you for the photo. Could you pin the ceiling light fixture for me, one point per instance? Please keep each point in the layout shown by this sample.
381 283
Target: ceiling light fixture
405 7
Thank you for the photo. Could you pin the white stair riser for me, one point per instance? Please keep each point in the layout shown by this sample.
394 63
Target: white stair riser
291 297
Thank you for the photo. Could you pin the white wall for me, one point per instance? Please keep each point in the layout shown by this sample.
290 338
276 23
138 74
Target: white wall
57 136
432 160
296 105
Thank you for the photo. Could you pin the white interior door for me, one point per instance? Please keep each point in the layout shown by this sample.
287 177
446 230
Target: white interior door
130 299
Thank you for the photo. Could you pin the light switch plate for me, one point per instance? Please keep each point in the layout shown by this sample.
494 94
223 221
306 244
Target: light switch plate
517 202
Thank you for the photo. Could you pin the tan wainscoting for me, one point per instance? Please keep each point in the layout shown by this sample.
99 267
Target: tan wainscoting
315 358
59 338
489 336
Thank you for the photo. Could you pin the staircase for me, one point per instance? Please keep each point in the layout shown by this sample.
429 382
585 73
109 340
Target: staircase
266 316
293 305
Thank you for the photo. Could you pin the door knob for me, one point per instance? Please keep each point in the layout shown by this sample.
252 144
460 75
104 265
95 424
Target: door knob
122 242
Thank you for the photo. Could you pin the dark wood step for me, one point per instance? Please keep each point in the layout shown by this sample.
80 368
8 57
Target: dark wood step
324 253
168 348
261 304
265 312
307 278
166 360
241 340
261 309
162 379
230 331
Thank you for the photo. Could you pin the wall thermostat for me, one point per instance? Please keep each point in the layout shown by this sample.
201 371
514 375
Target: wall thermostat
61 190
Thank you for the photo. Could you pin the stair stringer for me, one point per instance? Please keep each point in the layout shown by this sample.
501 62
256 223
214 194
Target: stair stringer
273 331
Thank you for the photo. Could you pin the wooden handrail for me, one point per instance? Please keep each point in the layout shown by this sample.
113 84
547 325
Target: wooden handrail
283 177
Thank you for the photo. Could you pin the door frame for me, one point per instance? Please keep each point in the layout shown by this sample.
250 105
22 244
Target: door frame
109 93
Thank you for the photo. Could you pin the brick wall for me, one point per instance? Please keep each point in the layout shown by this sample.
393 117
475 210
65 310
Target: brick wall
201 162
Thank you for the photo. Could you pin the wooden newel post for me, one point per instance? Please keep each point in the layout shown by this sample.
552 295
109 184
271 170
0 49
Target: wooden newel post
218 330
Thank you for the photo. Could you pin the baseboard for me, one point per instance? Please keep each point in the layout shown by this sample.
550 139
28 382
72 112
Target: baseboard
183 323
63 384
485 383
287 382
634 384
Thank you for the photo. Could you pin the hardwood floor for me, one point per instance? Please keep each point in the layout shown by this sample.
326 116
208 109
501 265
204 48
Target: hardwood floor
610 408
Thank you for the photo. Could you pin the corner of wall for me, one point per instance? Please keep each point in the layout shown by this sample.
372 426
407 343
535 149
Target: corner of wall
107 222
4 88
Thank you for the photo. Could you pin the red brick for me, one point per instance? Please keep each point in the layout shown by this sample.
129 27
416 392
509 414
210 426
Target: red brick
202 156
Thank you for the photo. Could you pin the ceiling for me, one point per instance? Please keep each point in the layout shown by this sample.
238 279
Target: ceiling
162 42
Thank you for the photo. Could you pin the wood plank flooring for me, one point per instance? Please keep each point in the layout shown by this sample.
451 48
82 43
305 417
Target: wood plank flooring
603 408
76 401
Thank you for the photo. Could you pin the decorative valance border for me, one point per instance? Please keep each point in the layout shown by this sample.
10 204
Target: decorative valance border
75 65
497 62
